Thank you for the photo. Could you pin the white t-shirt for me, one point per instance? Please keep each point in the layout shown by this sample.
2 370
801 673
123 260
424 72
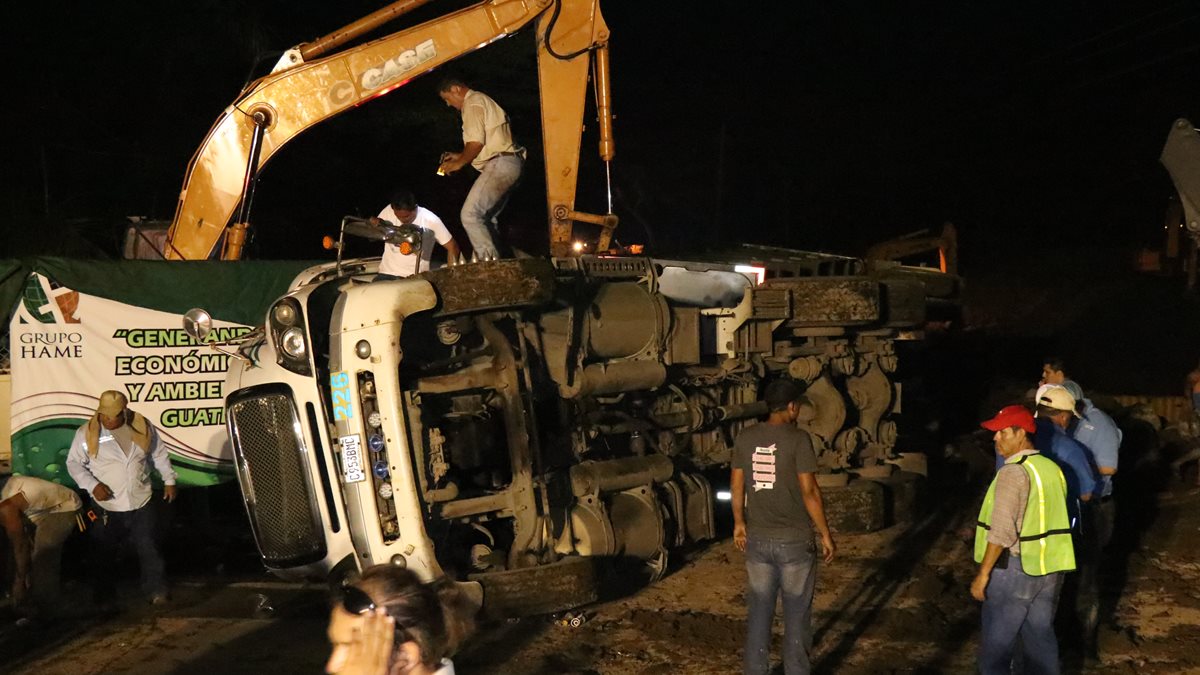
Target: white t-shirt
396 263
42 496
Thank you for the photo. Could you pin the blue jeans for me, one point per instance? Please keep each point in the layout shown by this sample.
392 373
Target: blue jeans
1019 605
773 565
486 200
135 527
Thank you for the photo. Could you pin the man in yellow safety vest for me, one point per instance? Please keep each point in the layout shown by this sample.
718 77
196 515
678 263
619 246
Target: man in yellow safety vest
1023 547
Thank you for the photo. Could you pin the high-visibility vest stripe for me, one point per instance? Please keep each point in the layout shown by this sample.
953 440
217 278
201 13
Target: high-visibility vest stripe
1041 495
1043 535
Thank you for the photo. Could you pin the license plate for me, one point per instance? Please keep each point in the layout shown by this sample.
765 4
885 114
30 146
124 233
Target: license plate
352 459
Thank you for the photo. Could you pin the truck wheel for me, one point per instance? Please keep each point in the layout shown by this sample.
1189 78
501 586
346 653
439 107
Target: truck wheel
858 507
543 589
493 285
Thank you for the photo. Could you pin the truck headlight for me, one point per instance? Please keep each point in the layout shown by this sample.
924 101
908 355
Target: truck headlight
292 343
284 314
286 320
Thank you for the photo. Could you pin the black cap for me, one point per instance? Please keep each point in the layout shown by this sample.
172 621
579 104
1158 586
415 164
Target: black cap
781 392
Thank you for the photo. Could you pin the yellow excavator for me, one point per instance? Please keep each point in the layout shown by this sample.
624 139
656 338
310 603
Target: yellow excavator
312 82
920 243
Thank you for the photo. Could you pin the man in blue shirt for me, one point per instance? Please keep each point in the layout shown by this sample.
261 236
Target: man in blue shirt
1102 437
1056 406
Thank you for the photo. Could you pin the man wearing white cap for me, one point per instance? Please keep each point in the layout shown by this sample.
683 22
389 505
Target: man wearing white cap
1055 412
111 458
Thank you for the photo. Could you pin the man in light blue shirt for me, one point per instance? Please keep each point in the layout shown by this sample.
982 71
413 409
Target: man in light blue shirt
1099 434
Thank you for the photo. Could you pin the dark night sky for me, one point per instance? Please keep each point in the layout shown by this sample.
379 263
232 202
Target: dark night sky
815 125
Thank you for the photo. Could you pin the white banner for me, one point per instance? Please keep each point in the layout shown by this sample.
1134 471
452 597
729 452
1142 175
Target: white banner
68 347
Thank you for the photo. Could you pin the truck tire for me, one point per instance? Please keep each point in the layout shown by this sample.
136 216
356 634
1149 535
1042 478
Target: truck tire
544 589
858 507
493 285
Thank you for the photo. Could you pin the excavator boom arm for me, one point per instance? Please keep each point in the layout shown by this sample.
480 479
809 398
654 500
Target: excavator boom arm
288 102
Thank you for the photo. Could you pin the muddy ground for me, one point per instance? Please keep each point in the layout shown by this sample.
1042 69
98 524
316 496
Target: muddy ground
894 601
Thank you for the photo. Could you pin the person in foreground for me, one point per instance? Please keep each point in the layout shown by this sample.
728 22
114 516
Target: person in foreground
387 622
1023 547
776 508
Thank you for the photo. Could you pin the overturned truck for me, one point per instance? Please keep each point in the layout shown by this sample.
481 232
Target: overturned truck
506 423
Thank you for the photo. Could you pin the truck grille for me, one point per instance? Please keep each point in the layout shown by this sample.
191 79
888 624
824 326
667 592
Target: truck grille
270 454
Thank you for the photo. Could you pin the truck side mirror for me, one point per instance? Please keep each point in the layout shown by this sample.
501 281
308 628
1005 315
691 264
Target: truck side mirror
197 323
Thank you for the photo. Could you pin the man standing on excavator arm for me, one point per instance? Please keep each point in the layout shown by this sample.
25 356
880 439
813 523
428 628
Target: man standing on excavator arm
488 146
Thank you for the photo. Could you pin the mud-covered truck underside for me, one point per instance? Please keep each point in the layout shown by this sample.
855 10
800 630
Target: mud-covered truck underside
508 422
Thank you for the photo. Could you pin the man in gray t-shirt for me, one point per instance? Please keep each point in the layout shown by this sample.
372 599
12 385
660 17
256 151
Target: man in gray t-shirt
770 457
776 508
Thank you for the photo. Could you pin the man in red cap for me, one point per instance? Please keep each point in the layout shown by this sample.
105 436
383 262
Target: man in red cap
1023 547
